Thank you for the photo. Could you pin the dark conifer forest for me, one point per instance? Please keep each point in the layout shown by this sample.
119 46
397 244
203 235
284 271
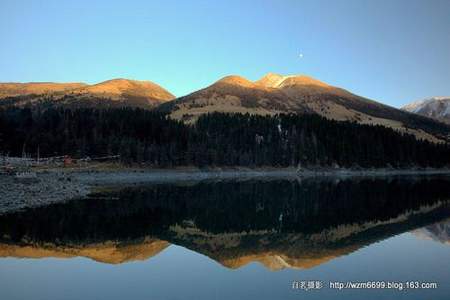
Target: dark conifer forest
151 138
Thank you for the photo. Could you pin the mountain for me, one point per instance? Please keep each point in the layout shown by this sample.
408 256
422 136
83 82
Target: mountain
111 252
275 250
439 232
300 94
435 107
36 88
281 224
115 92
270 95
232 94
125 89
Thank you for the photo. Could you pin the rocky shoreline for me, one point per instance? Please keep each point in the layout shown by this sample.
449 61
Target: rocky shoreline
46 188
59 185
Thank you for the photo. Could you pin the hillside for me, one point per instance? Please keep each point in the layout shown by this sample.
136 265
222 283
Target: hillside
217 139
232 94
300 94
121 89
270 95
36 88
110 93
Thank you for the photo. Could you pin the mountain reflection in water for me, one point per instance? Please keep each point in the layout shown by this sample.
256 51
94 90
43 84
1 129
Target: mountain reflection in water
279 223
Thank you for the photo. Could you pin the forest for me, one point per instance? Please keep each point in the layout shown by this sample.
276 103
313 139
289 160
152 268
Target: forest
151 138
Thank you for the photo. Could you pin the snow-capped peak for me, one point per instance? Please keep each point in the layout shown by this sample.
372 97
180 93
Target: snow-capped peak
436 107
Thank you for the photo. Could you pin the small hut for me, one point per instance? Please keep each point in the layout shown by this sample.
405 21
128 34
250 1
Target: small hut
68 161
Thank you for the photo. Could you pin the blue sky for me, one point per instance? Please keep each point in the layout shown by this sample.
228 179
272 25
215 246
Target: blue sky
391 51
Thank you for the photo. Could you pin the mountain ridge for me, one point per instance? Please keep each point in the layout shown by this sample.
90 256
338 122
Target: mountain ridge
126 91
270 95
119 86
274 93
10 89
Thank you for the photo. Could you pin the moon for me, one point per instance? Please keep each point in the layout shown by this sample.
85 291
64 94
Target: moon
300 55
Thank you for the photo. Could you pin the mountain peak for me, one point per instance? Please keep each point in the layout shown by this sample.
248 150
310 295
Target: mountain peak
235 80
123 83
121 87
270 80
273 80
434 107
302 80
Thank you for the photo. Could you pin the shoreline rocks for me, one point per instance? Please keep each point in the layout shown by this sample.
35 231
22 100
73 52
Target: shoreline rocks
46 188
59 185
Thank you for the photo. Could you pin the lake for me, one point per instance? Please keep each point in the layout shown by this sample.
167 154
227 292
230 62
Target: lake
316 238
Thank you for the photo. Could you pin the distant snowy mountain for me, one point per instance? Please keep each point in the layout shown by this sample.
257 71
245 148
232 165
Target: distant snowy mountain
439 232
436 107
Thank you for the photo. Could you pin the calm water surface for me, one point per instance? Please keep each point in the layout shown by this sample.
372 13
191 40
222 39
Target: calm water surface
233 240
